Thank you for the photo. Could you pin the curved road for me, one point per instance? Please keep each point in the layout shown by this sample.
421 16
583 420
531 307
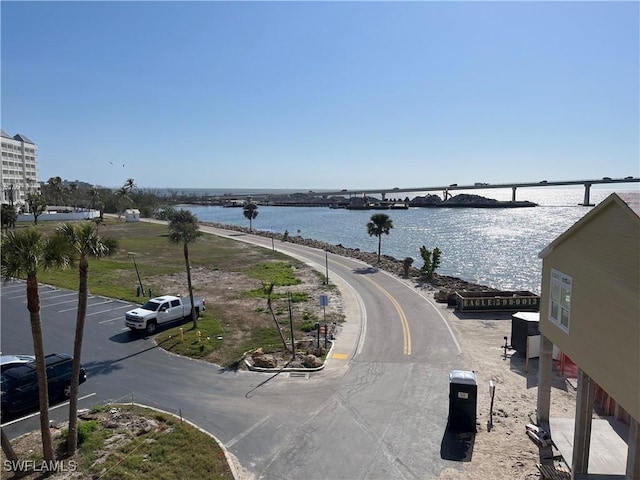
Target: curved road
377 411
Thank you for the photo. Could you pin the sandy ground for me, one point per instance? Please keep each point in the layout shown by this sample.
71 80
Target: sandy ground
503 450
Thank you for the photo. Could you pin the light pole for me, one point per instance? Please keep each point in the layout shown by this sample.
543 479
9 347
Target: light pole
133 256
273 247
326 263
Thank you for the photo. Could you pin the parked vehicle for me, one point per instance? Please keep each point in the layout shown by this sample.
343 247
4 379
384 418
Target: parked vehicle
161 310
20 384
10 361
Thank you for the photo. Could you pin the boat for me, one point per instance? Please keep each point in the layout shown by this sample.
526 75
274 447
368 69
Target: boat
399 206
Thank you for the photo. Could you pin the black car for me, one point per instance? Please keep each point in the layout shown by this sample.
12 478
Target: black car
20 384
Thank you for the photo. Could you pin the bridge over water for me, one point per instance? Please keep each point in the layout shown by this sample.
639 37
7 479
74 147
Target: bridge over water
446 189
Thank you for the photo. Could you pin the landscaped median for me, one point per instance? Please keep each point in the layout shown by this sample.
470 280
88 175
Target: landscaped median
130 441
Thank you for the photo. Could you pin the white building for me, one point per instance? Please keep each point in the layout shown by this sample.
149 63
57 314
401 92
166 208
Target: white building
19 174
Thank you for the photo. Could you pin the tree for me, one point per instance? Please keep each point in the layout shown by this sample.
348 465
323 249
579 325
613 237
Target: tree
250 211
94 197
378 224
130 184
406 265
7 448
431 260
268 290
53 191
85 242
9 215
123 193
37 205
123 198
25 253
184 229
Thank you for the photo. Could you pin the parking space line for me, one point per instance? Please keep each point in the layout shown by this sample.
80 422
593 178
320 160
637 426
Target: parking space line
63 404
19 296
65 294
60 303
68 309
105 311
111 320
51 290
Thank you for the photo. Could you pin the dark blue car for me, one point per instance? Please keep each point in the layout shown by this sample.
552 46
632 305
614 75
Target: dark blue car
20 384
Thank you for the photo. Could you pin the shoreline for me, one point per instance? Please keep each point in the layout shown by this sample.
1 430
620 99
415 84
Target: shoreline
442 286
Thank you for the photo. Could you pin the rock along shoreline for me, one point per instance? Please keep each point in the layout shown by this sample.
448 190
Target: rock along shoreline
442 286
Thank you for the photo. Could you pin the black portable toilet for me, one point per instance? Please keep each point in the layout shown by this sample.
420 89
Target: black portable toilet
463 400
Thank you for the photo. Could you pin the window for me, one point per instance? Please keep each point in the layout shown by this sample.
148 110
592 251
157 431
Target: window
175 303
59 370
560 304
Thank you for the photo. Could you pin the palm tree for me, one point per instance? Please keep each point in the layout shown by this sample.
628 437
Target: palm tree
55 187
378 224
268 290
7 448
250 211
85 242
94 196
24 253
130 184
184 229
9 215
123 195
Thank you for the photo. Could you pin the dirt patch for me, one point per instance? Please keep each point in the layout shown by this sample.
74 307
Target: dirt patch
227 298
123 428
501 449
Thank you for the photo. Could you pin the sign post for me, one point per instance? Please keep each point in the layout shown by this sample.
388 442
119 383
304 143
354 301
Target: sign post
324 301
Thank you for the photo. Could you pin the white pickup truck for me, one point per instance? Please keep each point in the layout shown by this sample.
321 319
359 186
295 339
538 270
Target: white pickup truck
159 310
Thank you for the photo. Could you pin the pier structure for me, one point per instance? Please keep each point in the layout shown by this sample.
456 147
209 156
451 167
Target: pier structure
446 189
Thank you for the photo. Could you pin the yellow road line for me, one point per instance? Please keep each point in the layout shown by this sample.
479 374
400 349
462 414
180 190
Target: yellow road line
340 356
403 318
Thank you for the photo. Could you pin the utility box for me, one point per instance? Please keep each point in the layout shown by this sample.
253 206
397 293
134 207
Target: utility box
132 215
523 325
463 400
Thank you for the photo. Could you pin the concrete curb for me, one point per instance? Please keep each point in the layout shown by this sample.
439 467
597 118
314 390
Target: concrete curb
229 457
292 369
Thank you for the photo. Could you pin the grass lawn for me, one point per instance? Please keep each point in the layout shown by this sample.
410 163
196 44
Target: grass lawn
231 276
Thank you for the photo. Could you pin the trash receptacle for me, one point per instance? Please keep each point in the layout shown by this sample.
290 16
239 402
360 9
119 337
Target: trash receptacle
463 400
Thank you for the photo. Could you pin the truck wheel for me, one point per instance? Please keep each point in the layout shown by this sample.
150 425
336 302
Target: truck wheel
151 326
66 391
197 312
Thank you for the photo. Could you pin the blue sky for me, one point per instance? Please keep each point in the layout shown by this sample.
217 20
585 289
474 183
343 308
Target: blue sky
323 95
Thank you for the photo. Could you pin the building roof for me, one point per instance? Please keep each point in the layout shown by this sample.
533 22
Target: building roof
22 138
19 137
632 199
628 201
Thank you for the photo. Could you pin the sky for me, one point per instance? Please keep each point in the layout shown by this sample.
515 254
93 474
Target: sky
323 95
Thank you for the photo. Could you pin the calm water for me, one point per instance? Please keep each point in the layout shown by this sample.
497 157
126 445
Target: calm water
494 247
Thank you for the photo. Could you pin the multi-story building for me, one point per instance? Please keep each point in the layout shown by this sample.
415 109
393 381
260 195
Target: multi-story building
19 174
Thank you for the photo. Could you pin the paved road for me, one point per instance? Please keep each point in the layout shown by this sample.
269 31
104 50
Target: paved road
378 411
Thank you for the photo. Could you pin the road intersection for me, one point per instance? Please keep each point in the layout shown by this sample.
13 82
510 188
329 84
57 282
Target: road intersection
378 410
